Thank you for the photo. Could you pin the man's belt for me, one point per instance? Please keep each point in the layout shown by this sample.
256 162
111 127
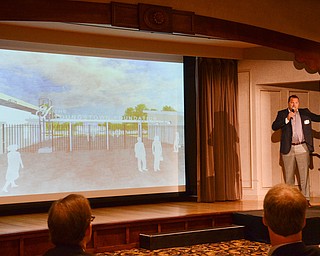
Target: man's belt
299 143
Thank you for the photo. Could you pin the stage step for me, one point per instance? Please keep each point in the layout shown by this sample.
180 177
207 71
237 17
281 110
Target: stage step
256 231
191 237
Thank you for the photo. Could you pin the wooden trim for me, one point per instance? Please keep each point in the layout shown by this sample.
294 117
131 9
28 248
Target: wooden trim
128 15
124 15
155 18
161 19
56 11
113 236
183 22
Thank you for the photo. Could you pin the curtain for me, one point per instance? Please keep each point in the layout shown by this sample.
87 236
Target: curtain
218 161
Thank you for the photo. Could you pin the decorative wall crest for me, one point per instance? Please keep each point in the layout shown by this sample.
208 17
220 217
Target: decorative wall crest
155 18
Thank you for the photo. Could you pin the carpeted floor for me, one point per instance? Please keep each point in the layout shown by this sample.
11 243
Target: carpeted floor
234 247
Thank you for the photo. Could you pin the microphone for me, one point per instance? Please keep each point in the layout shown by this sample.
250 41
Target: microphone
291 118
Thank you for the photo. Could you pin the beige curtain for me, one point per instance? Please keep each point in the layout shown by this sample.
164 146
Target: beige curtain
218 165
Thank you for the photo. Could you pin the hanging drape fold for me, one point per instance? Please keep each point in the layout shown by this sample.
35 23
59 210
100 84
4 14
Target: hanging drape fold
218 163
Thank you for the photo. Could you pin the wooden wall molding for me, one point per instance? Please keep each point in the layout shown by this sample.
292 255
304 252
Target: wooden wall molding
124 15
162 19
152 18
155 18
183 22
112 236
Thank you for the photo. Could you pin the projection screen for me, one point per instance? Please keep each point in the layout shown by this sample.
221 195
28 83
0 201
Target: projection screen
102 126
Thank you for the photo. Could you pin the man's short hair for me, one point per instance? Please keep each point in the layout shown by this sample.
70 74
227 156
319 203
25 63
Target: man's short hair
292 97
68 220
285 209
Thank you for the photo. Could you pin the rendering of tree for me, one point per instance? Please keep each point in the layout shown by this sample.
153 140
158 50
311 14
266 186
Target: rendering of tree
168 108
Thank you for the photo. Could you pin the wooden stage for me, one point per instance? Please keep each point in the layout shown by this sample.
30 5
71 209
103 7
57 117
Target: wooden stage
119 227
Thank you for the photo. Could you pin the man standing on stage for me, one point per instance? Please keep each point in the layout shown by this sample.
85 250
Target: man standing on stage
296 142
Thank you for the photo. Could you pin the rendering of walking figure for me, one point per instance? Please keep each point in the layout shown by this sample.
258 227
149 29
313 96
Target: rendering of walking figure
176 143
14 163
140 154
157 153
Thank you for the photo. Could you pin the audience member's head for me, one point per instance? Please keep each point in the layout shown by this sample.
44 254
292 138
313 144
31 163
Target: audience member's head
69 221
284 210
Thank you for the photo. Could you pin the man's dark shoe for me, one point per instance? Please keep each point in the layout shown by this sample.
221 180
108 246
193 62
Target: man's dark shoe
309 205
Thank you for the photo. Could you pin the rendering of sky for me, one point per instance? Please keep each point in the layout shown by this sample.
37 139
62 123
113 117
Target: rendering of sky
90 85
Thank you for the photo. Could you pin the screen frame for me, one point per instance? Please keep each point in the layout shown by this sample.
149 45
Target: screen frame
189 68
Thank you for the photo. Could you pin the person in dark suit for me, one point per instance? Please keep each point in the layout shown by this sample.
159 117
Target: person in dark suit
284 214
296 142
69 222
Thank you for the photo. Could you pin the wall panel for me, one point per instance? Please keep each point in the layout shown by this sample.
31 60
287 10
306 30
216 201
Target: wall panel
271 171
245 128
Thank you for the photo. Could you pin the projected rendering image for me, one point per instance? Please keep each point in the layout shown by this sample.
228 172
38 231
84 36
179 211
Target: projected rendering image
89 124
